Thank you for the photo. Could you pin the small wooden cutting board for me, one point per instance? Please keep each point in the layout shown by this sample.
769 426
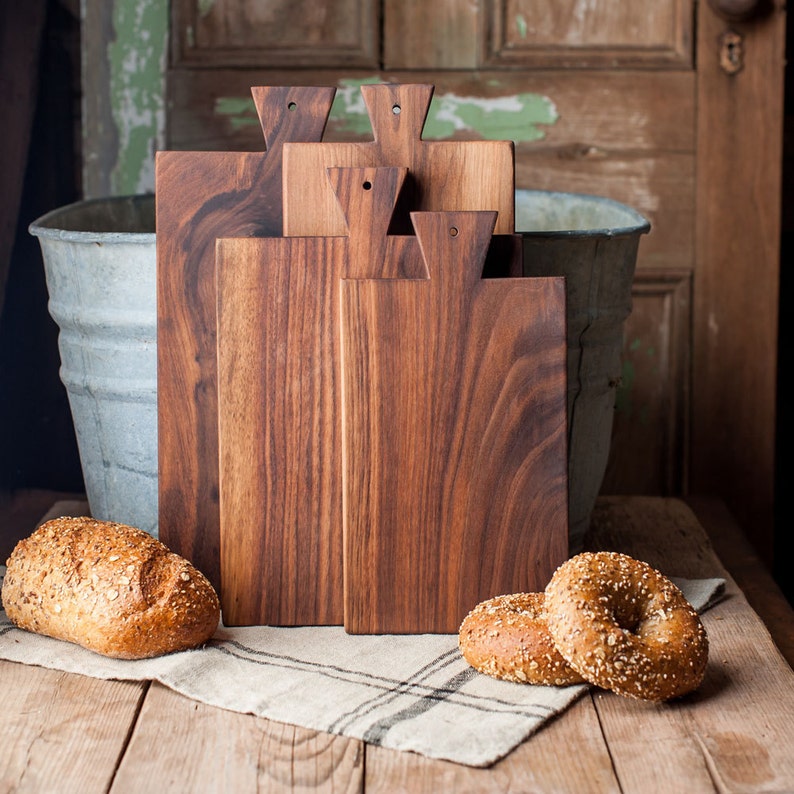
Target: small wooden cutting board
202 196
455 464
279 404
443 175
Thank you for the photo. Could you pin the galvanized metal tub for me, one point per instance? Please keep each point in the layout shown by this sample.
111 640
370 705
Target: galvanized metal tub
100 265
593 242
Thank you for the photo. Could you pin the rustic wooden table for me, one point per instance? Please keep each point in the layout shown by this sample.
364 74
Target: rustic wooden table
63 732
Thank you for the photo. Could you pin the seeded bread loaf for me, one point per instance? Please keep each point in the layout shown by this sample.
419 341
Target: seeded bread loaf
109 587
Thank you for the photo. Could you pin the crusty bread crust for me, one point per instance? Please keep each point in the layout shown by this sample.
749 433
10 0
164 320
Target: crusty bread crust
507 637
626 627
108 587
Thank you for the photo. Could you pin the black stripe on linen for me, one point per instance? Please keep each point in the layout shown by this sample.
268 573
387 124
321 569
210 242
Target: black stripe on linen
382 684
378 730
412 687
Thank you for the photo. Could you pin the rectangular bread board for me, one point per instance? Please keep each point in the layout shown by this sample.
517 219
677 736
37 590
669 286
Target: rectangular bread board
202 196
454 444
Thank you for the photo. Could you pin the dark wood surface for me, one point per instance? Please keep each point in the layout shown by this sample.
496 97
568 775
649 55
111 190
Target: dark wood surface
279 403
202 196
454 436
71 733
281 496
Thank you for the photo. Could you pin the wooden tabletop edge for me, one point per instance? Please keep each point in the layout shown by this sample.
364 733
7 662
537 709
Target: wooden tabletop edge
744 564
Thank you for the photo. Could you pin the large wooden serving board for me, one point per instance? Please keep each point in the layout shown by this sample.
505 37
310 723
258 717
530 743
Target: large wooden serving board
202 196
454 434
443 175
279 404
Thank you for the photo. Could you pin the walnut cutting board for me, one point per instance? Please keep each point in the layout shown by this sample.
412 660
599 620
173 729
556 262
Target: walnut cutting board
279 404
443 175
202 196
454 434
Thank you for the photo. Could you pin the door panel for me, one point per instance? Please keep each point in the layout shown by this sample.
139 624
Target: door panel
652 402
581 34
278 32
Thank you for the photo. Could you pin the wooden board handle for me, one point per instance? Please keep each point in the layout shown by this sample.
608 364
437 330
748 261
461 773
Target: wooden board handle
367 197
454 246
397 113
292 113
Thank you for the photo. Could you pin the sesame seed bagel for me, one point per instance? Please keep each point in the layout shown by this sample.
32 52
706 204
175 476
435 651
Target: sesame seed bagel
506 637
109 587
624 626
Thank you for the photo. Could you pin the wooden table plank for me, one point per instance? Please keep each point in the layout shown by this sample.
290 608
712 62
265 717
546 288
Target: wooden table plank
50 719
568 754
739 557
736 732
180 745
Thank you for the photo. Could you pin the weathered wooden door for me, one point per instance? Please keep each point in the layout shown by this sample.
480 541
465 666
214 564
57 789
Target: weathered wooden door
674 107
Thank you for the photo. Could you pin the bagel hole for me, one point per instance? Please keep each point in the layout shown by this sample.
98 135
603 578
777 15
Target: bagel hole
629 617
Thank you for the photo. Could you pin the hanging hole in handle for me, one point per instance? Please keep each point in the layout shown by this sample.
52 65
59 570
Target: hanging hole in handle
292 106
367 185
396 109
453 231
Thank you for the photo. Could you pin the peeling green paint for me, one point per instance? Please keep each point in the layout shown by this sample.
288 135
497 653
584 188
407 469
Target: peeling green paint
516 117
521 25
136 60
239 111
349 108
205 6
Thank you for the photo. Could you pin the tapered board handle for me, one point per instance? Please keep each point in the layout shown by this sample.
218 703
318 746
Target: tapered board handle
292 113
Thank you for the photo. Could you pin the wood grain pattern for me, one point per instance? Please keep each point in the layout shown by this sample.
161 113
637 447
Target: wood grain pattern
549 33
279 409
263 755
443 34
569 754
443 175
734 733
653 400
51 718
201 196
278 33
280 492
454 441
